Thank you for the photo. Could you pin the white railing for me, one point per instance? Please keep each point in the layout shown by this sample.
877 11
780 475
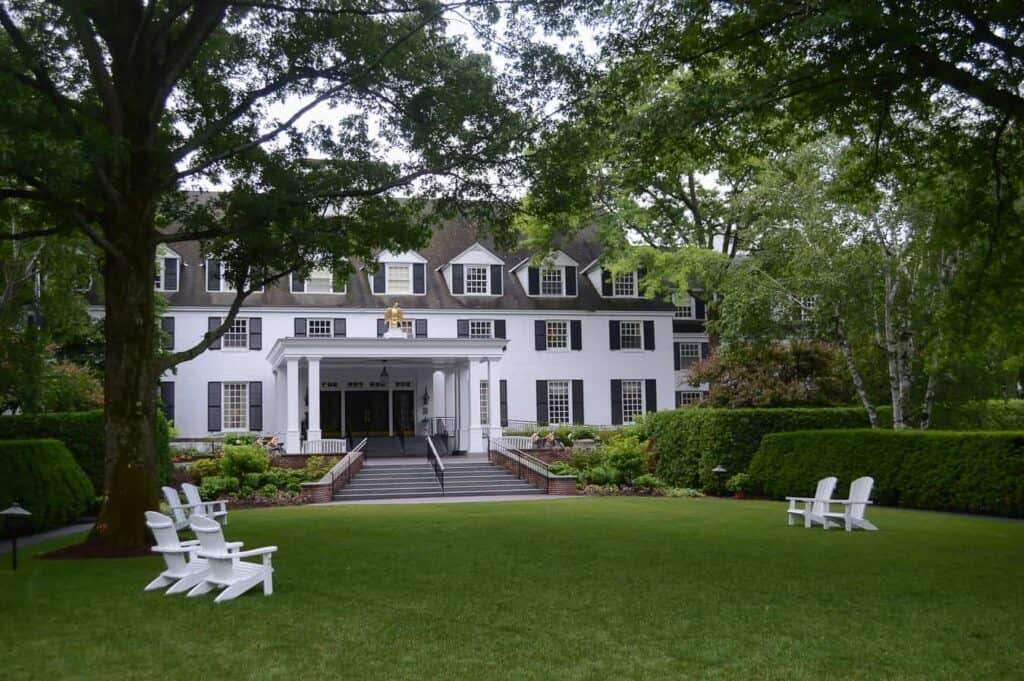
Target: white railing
516 441
329 446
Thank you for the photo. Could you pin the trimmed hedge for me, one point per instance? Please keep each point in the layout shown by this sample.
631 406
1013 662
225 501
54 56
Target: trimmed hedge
939 470
43 477
982 415
690 442
82 433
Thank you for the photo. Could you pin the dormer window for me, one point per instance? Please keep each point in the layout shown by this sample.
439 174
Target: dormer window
552 282
403 274
475 271
322 280
168 270
399 278
477 279
625 285
684 306
217 277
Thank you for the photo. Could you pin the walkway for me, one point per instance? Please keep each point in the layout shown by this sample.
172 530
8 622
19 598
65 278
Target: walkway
5 546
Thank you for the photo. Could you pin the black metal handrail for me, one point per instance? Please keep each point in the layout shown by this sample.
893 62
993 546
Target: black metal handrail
521 462
435 460
351 457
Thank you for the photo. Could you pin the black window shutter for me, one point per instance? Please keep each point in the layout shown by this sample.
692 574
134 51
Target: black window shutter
378 279
497 284
298 285
606 283
500 329
503 390
339 327
462 328
533 279
170 274
540 335
381 325
675 351
421 327
167 326
255 405
542 403
570 280
419 278
649 334
614 339
705 350
167 399
458 280
255 333
698 308
616 402
213 275
651 390
679 399
300 327
213 406
575 334
212 324
577 401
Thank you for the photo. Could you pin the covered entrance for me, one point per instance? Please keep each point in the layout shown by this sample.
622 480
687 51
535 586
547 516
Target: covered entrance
372 413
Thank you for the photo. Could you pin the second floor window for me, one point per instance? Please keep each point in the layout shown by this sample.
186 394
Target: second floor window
477 279
481 328
631 335
319 328
552 282
689 354
557 335
237 336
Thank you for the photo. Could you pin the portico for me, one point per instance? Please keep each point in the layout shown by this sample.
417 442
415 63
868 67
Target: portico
328 388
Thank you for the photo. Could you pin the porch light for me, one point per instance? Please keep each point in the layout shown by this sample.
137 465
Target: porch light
14 516
426 397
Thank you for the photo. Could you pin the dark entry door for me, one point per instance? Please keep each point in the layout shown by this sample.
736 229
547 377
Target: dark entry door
330 413
403 410
366 412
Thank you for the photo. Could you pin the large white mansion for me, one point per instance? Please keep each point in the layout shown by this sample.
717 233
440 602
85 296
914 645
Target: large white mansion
488 339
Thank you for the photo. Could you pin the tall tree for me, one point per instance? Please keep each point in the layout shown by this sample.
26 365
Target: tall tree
112 107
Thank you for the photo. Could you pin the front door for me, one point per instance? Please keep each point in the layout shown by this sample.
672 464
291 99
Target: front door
366 412
405 419
330 413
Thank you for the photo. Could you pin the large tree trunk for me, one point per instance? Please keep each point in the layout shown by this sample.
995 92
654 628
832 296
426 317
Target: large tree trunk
893 352
129 397
858 380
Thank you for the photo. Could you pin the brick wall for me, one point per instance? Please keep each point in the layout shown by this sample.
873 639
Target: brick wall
559 484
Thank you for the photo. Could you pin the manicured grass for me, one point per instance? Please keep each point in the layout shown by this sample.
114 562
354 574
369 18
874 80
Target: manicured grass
574 589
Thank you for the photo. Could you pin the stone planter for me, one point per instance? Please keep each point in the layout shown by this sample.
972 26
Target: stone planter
584 445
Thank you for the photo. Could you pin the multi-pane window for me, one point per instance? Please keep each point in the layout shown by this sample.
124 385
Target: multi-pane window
481 328
557 334
559 407
324 281
631 335
632 400
168 269
808 304
552 282
686 398
684 306
399 278
485 403
477 279
407 328
237 335
235 410
625 284
319 328
689 354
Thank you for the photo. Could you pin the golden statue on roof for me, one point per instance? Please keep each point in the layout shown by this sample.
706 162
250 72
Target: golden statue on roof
393 316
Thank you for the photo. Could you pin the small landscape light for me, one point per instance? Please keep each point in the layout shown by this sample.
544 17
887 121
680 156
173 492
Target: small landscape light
14 516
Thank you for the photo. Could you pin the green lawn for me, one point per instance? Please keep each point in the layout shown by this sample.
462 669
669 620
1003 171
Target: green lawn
597 588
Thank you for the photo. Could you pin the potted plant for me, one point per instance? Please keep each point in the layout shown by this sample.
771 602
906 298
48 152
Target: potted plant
740 485
583 437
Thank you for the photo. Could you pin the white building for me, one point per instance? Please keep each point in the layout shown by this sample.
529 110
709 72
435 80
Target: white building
488 340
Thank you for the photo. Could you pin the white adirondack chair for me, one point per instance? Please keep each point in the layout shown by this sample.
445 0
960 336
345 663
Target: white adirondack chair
218 510
179 512
184 568
814 507
852 515
227 571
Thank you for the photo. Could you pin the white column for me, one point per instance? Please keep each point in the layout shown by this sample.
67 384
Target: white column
292 435
494 396
313 432
437 398
279 401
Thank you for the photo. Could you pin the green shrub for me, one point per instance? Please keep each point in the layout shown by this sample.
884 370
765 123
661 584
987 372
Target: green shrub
253 480
204 468
562 468
278 477
690 442
215 485
940 470
239 439
648 481
741 482
268 491
582 459
980 415
82 433
599 475
241 459
628 457
45 479
584 433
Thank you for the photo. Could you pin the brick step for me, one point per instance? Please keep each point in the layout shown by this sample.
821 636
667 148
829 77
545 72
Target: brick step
437 494
449 484
432 480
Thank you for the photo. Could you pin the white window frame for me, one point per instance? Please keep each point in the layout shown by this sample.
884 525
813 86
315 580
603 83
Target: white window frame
806 302
548 323
158 281
639 334
617 279
330 277
409 327
636 401
486 280
568 401
686 307
485 402
480 324
561 281
689 398
244 420
394 266
232 331
311 321
696 357
225 285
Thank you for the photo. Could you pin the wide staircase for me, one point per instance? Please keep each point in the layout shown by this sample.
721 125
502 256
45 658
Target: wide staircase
417 480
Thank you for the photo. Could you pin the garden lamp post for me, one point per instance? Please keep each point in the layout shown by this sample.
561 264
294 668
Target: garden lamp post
14 516
719 472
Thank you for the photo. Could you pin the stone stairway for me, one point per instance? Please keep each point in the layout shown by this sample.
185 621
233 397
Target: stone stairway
416 480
